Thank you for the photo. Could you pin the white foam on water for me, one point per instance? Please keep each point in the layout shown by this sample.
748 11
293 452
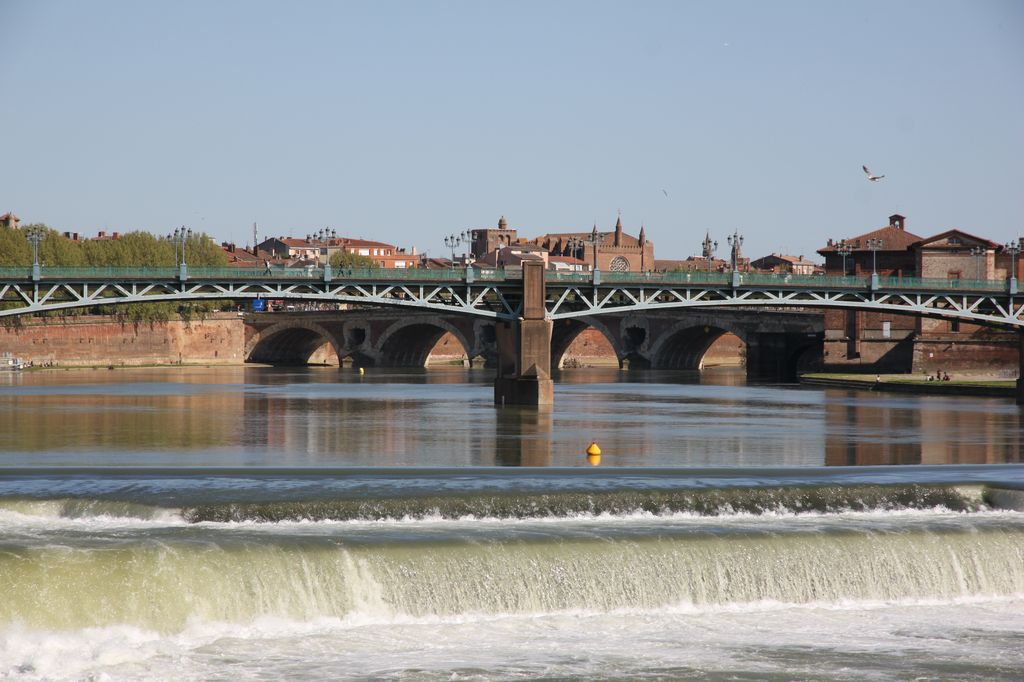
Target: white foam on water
977 637
54 514
436 520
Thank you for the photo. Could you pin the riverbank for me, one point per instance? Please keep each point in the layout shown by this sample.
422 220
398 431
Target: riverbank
987 385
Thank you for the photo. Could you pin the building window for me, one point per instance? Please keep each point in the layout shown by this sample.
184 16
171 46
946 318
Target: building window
886 329
619 264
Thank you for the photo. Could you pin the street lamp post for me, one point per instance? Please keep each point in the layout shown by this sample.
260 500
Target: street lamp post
874 245
844 250
574 245
1013 248
35 234
452 241
467 238
594 239
180 237
978 252
709 249
735 241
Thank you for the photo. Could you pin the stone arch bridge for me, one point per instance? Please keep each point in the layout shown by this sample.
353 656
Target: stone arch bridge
776 342
531 313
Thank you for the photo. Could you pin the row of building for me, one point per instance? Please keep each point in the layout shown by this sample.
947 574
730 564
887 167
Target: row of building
891 250
614 250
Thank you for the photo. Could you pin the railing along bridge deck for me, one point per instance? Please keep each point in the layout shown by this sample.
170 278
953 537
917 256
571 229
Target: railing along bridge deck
498 293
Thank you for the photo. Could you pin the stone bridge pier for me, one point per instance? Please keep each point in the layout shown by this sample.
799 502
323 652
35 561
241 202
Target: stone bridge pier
524 348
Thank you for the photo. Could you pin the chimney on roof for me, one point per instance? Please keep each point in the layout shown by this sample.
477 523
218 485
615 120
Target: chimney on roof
897 221
101 234
116 235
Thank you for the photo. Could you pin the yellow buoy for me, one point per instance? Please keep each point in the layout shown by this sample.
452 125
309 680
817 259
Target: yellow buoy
594 454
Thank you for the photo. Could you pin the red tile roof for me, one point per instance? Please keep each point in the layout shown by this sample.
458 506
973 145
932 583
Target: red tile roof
893 239
950 233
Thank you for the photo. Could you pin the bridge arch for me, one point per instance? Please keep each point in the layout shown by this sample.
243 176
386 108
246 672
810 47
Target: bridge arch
408 343
684 344
565 331
291 342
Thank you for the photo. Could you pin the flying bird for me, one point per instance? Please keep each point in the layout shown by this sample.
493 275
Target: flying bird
872 178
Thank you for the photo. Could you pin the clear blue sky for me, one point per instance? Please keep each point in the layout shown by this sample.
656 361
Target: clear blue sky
406 121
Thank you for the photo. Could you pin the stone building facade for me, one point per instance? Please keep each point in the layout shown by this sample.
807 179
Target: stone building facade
873 341
614 251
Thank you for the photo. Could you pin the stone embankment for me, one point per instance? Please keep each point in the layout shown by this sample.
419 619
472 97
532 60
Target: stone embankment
97 341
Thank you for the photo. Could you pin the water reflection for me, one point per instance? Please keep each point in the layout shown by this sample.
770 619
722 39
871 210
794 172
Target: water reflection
523 437
445 417
863 430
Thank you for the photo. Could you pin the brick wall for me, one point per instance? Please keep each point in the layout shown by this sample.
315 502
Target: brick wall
100 341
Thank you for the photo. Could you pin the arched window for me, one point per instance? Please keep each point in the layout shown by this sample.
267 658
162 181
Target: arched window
619 264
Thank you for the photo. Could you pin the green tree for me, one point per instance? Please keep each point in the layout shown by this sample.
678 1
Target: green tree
132 249
15 250
346 259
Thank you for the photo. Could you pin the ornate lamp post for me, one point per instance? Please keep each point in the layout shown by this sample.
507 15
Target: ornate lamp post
1013 248
452 241
180 236
735 241
874 245
35 234
844 250
574 245
978 252
709 249
594 239
580 243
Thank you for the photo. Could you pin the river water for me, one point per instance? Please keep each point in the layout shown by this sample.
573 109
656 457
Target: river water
256 523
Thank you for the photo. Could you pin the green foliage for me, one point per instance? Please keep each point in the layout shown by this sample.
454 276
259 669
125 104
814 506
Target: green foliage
14 248
132 249
345 259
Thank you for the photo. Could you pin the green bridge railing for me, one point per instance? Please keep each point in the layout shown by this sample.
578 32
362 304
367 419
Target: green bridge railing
456 275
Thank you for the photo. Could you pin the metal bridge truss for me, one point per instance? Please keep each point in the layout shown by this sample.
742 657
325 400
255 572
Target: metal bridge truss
501 298
483 299
989 308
